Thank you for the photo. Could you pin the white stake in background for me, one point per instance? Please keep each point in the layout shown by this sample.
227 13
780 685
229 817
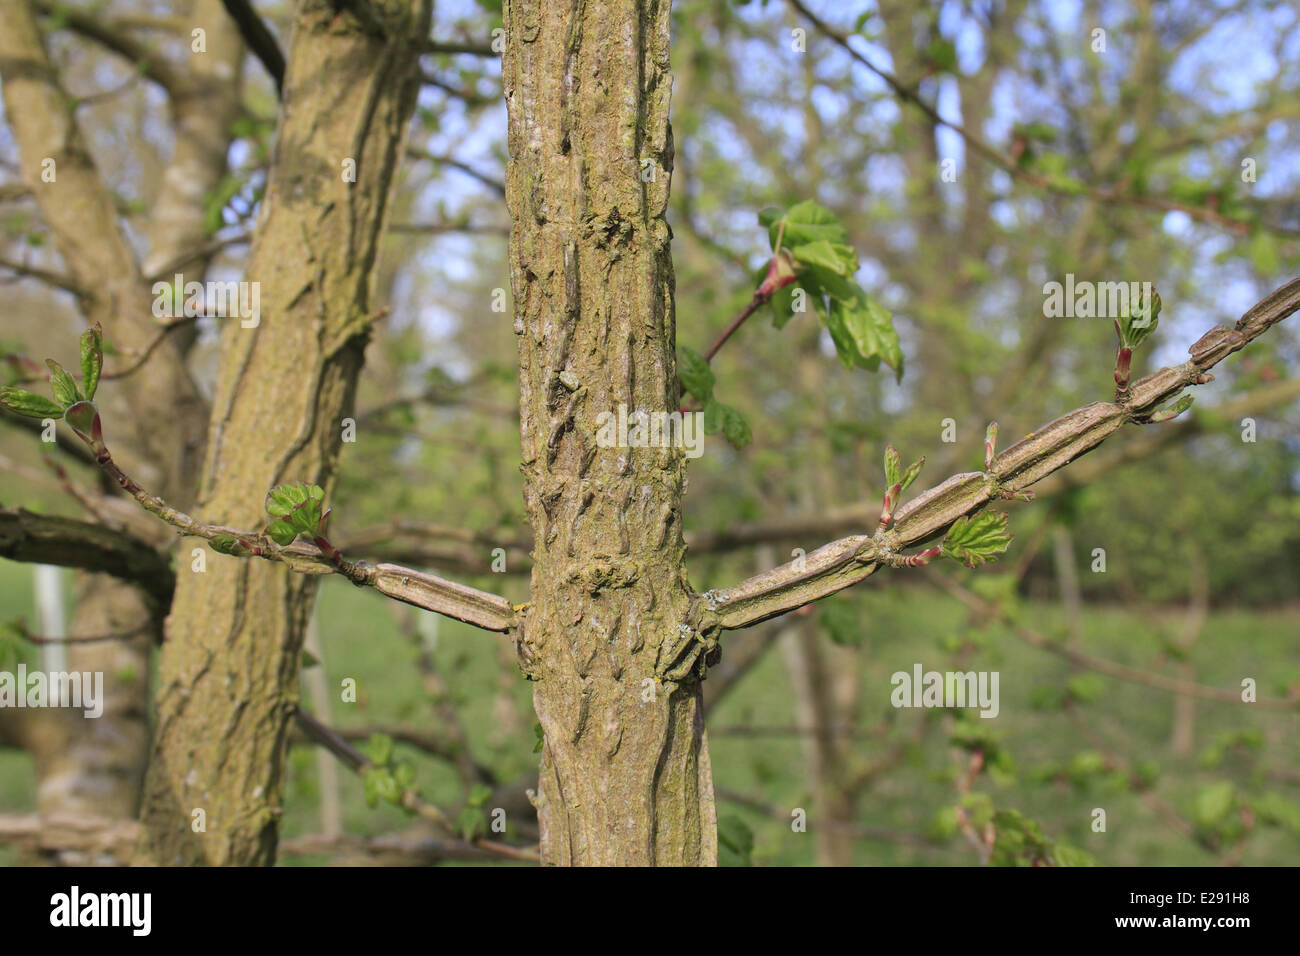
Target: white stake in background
50 620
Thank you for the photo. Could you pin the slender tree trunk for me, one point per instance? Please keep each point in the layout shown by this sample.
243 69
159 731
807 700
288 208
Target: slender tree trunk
625 775
229 672
95 766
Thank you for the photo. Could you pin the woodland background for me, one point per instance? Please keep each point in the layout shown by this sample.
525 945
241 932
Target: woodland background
1141 150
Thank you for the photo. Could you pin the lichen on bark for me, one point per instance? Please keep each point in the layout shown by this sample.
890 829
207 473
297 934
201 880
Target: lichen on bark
625 776
229 670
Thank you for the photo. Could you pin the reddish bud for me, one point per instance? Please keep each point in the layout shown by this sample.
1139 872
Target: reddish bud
923 558
780 273
887 507
84 419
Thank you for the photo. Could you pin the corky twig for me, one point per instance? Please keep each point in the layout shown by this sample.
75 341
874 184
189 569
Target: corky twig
845 562
427 591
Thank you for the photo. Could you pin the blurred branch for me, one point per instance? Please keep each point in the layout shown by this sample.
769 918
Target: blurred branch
422 740
496 185
881 834
411 801
259 38
392 850
96 836
458 46
1100 665
58 280
113 37
977 145
48 539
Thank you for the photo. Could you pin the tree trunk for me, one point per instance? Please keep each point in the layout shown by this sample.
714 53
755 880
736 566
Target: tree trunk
625 775
229 671
96 766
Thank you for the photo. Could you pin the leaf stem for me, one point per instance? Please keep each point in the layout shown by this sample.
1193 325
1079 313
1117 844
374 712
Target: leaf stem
754 304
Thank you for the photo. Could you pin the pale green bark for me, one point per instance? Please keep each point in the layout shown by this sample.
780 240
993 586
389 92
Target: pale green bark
625 775
229 672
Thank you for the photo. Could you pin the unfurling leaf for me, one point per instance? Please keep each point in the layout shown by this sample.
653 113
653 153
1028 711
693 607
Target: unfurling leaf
282 533
379 749
893 466
976 540
226 544
1137 322
84 419
1172 411
825 265
1213 802
92 358
913 470
27 403
64 385
297 509
695 374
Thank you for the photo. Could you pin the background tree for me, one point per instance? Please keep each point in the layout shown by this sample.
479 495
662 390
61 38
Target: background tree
810 455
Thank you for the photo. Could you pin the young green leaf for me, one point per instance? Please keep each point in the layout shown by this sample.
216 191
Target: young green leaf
976 540
805 222
92 358
695 374
379 749
225 544
723 418
1173 410
404 774
27 403
297 509
1136 323
825 264
822 256
64 385
893 466
913 470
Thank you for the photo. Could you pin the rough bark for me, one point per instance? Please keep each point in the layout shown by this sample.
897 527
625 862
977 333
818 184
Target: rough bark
229 671
625 775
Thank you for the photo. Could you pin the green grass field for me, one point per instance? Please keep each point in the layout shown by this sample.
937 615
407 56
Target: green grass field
1055 770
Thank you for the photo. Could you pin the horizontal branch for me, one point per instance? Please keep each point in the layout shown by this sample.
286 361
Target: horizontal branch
112 37
492 182
94 836
70 543
456 46
430 592
57 280
845 562
433 744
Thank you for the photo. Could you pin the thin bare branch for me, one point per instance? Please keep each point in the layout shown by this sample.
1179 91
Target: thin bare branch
427 591
1098 664
259 38
409 800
